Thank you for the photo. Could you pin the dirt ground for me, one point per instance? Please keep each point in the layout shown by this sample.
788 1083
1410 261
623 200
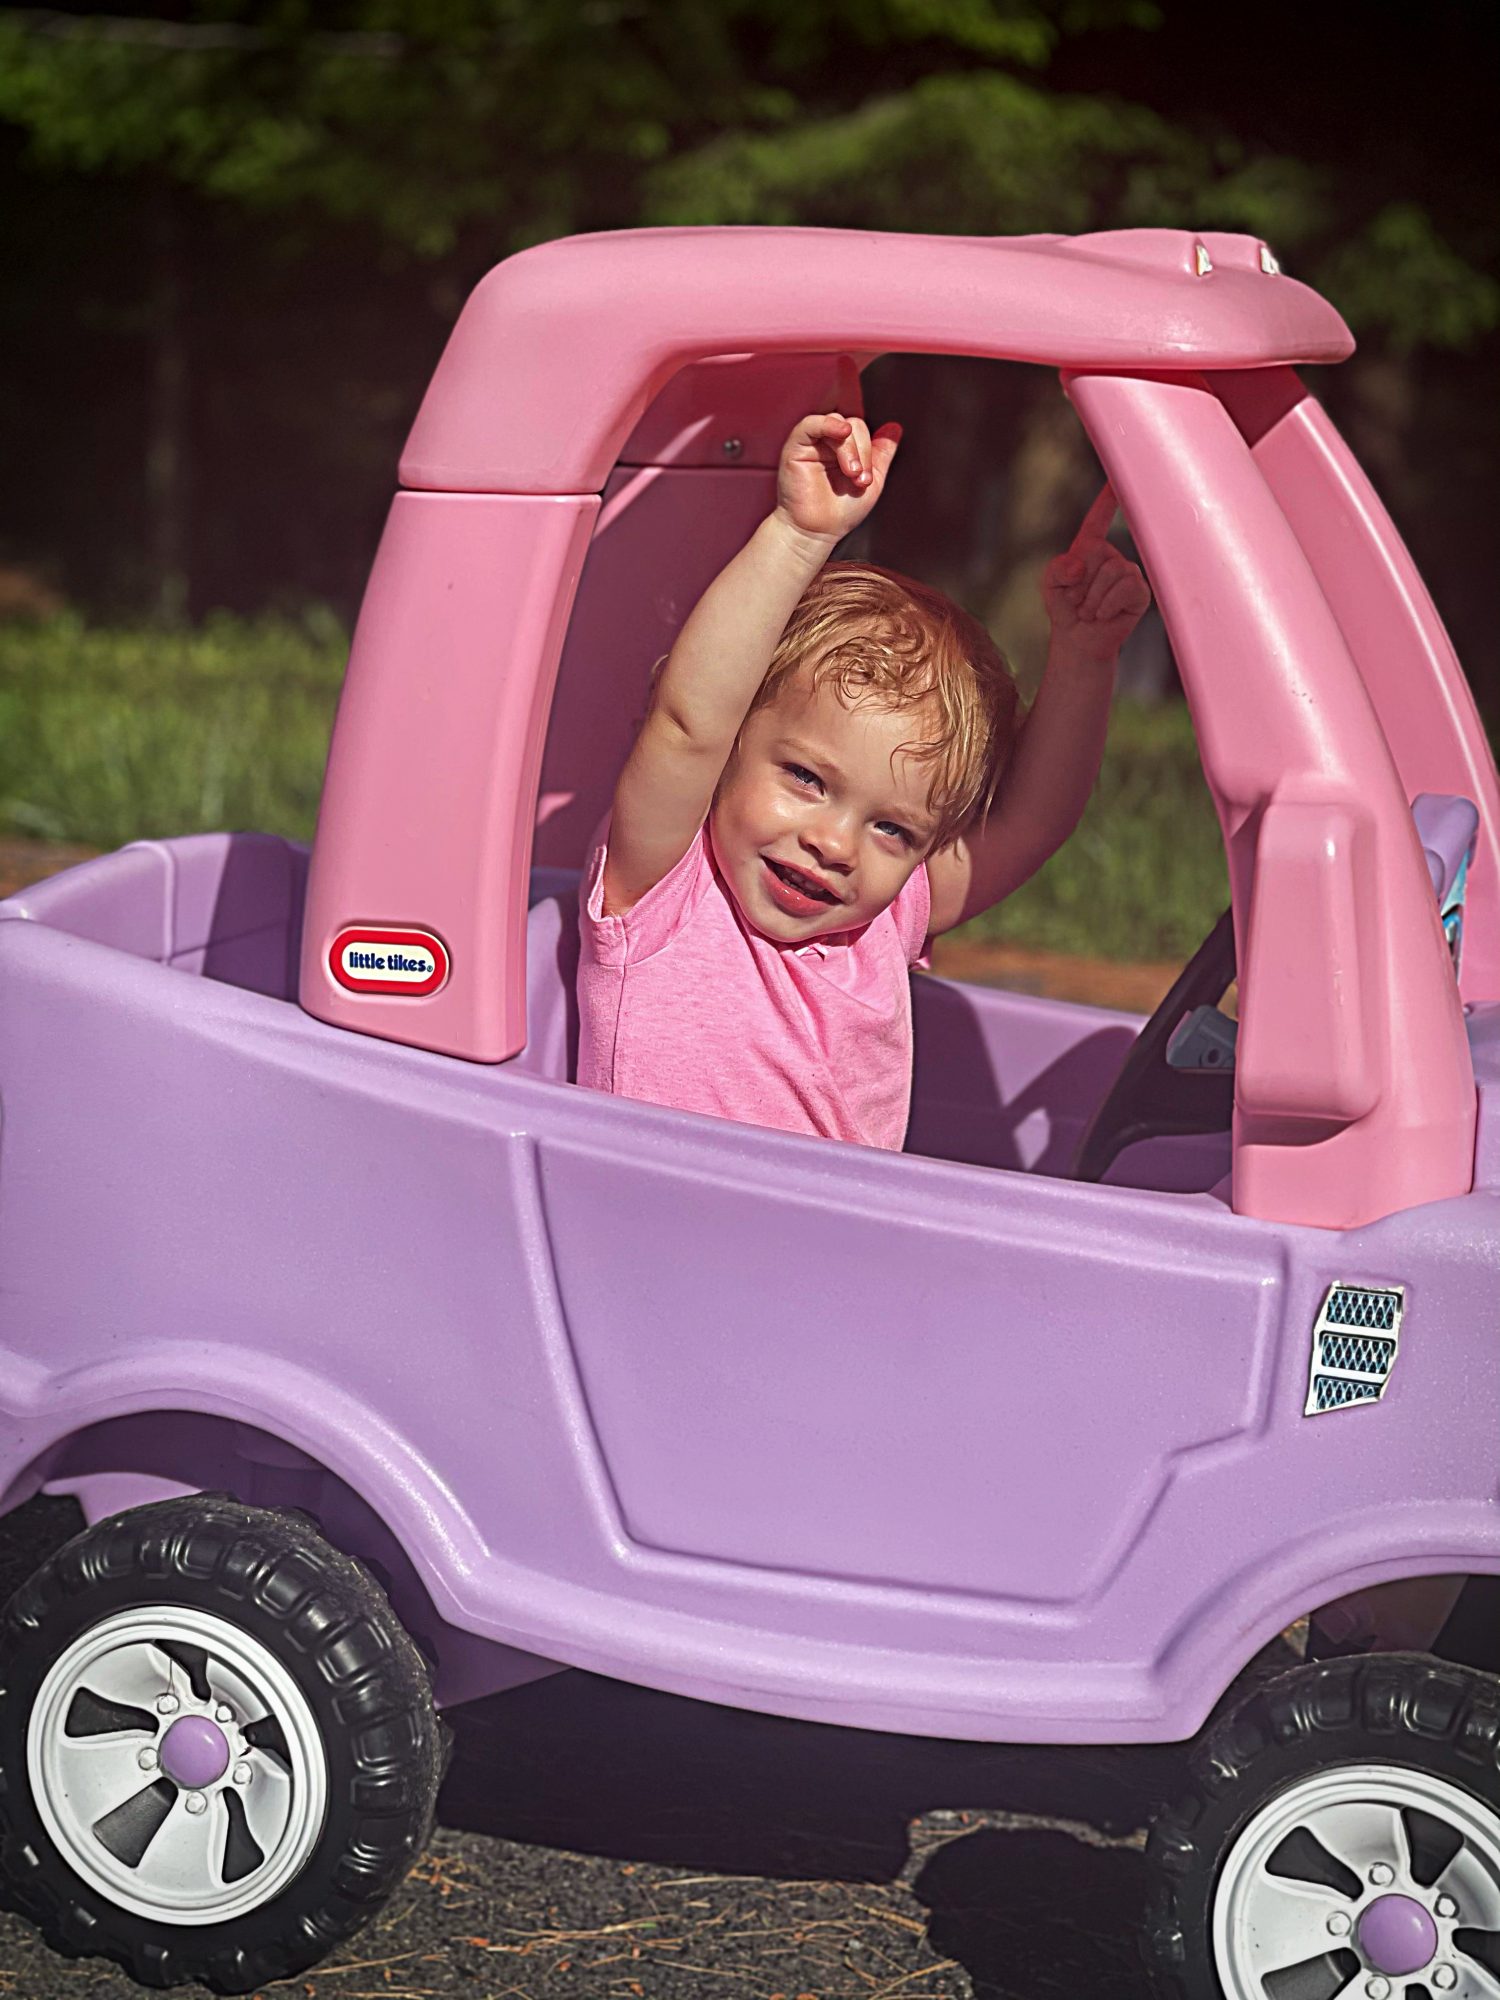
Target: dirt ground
23 861
1101 982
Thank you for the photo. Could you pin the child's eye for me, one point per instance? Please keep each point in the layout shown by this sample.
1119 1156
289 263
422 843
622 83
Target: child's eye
901 833
803 776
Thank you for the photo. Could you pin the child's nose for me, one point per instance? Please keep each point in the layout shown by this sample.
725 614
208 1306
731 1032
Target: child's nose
831 838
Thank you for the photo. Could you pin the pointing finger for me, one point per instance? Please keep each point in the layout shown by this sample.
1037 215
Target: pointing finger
883 447
1096 523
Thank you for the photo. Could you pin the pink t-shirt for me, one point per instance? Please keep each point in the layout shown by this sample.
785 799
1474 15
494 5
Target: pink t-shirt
682 1002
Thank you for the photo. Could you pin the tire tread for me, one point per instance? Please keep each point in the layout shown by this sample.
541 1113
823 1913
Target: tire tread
1398 1707
334 1616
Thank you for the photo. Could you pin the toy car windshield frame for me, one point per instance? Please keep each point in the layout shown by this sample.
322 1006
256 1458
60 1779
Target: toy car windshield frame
1323 688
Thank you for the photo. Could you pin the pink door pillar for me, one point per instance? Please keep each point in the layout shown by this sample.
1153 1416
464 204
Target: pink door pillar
1354 1090
427 811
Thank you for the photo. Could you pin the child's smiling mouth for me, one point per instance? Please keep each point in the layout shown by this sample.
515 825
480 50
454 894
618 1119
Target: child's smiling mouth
795 891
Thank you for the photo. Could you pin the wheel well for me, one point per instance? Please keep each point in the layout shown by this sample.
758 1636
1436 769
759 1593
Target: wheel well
1408 1614
130 1460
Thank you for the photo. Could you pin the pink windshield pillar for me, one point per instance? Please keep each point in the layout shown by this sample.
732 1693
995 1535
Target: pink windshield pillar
1354 1089
416 901
1393 630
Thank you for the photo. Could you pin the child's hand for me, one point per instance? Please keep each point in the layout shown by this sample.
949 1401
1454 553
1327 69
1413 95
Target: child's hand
832 472
1094 596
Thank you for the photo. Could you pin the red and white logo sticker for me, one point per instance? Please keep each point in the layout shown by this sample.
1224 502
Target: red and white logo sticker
377 961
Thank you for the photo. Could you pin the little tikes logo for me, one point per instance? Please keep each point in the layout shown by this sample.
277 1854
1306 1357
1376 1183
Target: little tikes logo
410 963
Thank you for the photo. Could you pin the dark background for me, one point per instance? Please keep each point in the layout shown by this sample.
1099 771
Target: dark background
233 239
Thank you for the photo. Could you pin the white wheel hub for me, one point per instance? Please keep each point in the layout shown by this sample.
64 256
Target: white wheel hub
177 1765
1362 1880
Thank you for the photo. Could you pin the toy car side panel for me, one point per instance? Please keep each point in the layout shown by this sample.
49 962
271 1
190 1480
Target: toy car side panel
1058 1424
968 1399
210 1201
459 1290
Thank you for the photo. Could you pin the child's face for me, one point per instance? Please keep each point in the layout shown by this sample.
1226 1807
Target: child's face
822 814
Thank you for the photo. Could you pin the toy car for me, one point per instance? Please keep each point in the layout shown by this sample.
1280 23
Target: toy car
391 1368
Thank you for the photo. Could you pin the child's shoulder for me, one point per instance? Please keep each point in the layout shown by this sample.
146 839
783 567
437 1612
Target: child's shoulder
912 913
656 916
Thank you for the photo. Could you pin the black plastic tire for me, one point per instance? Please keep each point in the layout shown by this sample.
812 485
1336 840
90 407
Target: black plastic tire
273 1577
1395 1709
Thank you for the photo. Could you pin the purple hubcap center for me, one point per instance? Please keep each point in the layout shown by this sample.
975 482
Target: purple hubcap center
1397 1936
195 1753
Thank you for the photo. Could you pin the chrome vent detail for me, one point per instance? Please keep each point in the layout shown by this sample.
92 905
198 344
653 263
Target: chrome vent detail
1354 1343
1357 1305
1336 1392
1356 1355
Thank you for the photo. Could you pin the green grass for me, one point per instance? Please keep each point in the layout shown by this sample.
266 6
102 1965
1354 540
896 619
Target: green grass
112 735
1144 875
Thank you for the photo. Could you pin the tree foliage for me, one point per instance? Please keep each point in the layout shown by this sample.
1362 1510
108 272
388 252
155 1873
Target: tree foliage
532 116
991 153
354 167
441 123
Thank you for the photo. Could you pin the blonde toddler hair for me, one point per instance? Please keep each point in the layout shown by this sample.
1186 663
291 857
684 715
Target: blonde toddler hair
877 637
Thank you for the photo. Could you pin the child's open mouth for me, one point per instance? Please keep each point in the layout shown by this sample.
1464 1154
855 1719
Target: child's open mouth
798 894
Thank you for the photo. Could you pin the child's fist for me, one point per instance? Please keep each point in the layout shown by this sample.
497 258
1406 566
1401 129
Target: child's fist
832 472
1095 597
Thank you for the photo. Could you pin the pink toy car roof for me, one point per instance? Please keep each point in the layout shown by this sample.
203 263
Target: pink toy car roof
560 349
1325 693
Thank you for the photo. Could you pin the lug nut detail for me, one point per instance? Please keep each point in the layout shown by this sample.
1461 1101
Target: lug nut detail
1382 1875
1446 1907
242 1774
1379 1987
148 1760
1444 1978
223 1713
167 1704
1339 1925
195 1803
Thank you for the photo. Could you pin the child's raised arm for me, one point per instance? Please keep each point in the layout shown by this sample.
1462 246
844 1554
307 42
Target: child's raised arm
830 476
1095 597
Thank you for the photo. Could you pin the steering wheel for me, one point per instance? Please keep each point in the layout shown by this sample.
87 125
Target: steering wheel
1153 1097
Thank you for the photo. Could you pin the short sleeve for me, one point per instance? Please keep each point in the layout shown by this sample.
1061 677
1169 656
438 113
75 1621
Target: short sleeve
912 911
650 924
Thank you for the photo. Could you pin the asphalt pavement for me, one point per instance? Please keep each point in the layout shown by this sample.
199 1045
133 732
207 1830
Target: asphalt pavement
598 1841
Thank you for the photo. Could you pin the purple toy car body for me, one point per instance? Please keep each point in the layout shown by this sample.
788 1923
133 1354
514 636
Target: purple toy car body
1153 1340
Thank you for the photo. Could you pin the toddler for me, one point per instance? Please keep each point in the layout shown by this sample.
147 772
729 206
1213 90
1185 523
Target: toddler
832 771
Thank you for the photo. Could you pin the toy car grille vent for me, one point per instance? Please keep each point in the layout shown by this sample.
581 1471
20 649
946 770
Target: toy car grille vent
1354 1342
1353 1305
1346 1354
1335 1392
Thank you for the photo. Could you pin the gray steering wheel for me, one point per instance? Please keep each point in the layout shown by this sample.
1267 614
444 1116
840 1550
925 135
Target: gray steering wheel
1155 1096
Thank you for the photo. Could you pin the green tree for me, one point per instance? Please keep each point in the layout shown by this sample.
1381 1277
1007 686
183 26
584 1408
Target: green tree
530 116
449 132
452 130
